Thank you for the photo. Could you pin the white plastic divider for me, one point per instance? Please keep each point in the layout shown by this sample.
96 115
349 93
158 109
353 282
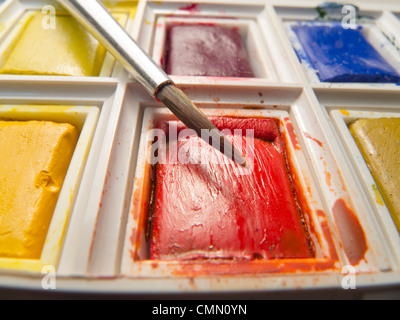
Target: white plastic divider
76 253
106 250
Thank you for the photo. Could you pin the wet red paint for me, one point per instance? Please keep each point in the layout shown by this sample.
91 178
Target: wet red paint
265 129
208 211
351 232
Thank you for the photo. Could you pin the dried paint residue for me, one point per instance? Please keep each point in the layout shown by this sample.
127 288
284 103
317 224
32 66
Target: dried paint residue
308 136
350 231
292 134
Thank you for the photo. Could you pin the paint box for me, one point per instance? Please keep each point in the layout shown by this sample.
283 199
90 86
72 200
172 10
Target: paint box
84 119
104 248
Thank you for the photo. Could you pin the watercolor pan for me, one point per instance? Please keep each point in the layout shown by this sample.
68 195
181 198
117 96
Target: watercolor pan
379 142
85 120
350 59
240 53
104 249
250 21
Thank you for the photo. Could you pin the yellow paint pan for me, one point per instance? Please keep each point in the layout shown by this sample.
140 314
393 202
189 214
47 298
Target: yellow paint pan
84 119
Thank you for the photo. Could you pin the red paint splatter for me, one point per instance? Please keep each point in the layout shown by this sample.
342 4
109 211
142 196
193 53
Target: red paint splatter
191 8
312 138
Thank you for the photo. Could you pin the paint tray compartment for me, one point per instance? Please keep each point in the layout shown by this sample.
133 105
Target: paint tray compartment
247 29
374 27
136 261
76 53
342 118
84 119
326 188
268 59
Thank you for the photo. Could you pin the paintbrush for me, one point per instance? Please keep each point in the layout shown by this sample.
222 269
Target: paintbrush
102 25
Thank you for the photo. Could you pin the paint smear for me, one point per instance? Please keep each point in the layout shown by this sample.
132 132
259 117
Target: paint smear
350 231
308 136
190 8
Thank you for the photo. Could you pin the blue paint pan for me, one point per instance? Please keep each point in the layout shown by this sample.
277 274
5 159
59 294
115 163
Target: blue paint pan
343 55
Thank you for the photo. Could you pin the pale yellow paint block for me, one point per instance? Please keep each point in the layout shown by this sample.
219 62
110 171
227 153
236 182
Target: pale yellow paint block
67 50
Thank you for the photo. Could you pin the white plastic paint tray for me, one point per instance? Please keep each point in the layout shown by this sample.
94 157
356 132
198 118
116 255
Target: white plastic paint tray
96 253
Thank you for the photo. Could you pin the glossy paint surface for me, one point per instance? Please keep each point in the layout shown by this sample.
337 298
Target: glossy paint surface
208 210
379 143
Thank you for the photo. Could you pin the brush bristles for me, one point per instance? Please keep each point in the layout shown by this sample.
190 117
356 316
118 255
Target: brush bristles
194 119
